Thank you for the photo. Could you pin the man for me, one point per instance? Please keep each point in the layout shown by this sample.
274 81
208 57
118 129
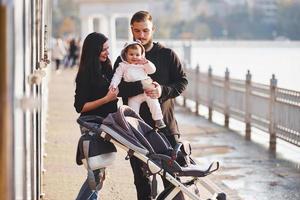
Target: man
170 81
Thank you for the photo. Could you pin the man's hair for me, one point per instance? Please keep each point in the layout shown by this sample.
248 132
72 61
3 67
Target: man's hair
141 16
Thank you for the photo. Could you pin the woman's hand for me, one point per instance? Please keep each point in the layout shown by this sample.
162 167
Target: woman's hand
112 94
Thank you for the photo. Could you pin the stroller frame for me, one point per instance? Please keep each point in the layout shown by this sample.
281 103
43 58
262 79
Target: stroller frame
111 135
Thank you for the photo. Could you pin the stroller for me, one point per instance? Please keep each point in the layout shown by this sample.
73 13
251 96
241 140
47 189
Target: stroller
128 131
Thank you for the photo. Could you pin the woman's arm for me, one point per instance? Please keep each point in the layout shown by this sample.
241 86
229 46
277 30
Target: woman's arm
82 102
110 96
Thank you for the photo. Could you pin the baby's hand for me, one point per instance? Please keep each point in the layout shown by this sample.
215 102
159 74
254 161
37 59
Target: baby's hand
112 93
112 88
115 90
142 61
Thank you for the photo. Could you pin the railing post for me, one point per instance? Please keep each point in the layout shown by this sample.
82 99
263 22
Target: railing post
210 103
197 74
272 125
184 97
248 105
187 49
226 106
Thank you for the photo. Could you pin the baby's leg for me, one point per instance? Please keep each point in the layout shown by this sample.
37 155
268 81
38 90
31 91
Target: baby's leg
156 112
135 102
154 107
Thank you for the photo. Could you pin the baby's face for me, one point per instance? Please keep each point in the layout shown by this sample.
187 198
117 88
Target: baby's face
134 55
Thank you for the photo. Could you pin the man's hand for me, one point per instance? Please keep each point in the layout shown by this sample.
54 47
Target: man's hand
154 93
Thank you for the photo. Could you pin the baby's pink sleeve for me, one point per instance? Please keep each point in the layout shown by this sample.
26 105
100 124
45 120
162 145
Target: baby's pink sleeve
149 67
115 81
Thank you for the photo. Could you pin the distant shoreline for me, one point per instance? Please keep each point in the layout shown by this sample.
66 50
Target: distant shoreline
228 43
237 43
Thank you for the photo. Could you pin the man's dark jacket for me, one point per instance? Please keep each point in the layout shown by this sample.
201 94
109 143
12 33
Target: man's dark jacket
171 77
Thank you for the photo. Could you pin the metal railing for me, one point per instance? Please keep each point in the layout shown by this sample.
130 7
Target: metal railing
266 107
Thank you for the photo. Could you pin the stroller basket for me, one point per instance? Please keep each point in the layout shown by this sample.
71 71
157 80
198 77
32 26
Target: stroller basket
127 130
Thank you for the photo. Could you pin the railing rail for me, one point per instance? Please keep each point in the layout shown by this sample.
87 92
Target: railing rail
266 107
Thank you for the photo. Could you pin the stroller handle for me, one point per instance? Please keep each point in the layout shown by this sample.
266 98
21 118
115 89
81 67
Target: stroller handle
85 120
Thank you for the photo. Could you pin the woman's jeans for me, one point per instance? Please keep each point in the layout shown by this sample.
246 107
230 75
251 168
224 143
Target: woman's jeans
86 193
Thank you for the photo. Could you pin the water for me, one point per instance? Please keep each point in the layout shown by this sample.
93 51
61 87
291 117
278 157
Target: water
262 59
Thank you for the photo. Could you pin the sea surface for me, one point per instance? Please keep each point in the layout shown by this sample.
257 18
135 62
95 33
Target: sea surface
261 58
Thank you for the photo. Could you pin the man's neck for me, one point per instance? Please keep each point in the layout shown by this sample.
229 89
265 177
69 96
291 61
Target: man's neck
149 47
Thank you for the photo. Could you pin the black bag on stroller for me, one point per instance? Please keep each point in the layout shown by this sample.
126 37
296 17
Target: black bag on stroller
94 152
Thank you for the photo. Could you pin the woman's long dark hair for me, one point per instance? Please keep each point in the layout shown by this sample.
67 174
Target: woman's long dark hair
90 64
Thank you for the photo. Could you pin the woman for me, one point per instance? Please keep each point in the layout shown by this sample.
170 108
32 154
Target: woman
92 96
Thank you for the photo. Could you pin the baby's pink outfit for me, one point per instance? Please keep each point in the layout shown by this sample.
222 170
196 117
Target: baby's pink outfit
138 72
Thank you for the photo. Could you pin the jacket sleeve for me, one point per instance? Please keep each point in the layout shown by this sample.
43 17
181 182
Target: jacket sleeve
178 79
128 89
119 72
149 67
81 92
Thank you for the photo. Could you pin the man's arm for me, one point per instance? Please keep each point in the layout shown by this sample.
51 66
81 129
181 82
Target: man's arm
128 89
178 79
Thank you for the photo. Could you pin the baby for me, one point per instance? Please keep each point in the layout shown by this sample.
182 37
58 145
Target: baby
135 67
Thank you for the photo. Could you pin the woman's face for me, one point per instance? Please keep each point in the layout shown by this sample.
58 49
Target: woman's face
104 53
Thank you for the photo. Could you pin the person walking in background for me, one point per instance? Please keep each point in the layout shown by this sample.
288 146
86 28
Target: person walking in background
72 54
78 43
58 53
92 94
135 67
169 80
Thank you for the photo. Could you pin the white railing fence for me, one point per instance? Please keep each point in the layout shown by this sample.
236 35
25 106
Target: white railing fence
266 107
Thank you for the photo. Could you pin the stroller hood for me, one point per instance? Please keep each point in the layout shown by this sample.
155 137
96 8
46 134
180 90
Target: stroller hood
131 126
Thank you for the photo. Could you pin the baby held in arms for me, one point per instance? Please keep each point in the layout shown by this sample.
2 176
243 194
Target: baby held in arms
135 67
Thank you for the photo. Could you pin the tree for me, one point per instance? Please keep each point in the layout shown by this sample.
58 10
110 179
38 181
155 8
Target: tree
289 18
65 13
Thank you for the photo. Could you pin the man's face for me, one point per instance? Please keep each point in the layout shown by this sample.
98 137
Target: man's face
143 31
